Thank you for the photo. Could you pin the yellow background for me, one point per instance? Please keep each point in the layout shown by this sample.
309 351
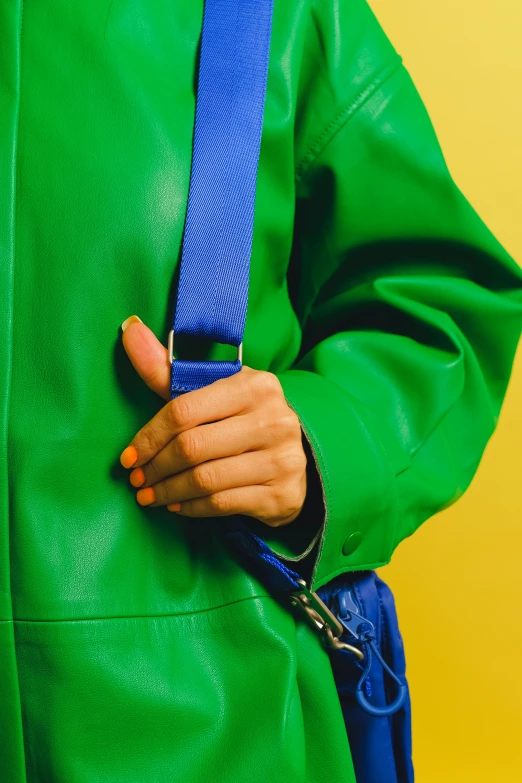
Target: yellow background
458 580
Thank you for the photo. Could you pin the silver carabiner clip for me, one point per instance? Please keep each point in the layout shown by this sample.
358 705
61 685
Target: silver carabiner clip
317 614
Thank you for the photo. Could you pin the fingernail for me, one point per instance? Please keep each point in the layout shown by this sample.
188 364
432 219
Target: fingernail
131 319
146 496
174 506
137 477
128 456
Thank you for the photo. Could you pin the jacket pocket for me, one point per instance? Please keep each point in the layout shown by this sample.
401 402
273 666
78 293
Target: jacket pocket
163 699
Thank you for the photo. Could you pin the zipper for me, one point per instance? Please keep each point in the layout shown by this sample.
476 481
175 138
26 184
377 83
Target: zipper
362 631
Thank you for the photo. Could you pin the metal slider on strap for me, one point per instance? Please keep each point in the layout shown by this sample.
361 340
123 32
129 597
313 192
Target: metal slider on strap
170 348
317 614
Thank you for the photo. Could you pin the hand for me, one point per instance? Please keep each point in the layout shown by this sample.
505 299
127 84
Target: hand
232 447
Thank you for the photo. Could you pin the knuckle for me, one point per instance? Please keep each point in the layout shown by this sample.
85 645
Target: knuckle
187 447
147 442
180 411
173 411
291 460
220 502
280 426
289 422
288 499
267 383
203 478
268 427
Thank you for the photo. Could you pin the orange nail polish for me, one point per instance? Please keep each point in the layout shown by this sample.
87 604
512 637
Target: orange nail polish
128 457
137 477
146 496
174 506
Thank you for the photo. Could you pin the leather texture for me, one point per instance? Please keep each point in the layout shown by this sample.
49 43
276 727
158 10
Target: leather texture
133 644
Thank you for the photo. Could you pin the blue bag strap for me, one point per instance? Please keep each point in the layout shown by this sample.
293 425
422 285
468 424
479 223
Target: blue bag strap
215 263
212 290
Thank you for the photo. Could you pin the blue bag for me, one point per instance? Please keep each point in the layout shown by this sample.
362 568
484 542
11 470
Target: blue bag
354 613
380 732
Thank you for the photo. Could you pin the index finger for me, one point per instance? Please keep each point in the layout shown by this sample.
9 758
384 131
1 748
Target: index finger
219 400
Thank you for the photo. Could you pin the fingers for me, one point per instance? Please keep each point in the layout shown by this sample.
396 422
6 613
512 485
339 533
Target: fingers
214 483
224 398
224 438
239 500
214 476
257 501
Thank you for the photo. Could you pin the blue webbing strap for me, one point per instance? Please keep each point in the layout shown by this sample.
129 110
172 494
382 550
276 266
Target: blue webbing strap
217 243
213 284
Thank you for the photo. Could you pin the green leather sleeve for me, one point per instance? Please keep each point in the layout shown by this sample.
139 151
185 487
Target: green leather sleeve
410 308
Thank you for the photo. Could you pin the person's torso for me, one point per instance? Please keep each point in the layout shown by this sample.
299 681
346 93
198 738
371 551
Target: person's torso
138 638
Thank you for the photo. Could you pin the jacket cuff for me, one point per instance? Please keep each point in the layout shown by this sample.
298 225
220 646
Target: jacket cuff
357 477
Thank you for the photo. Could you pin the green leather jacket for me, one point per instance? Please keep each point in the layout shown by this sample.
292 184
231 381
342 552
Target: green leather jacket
134 646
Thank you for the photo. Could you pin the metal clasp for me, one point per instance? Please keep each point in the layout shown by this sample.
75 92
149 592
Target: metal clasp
171 348
317 614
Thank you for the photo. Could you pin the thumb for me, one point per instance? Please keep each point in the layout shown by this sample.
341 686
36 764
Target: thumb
148 356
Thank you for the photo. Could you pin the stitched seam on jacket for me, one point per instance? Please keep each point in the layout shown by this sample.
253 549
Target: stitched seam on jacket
189 613
346 113
13 220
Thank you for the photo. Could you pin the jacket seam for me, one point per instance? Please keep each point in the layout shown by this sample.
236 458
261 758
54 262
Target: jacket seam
344 115
189 613
13 213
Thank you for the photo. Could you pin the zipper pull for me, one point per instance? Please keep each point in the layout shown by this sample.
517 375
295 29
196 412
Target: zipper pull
363 631
352 620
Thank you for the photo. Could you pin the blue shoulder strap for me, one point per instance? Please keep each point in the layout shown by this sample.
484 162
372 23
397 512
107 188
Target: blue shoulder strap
217 243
